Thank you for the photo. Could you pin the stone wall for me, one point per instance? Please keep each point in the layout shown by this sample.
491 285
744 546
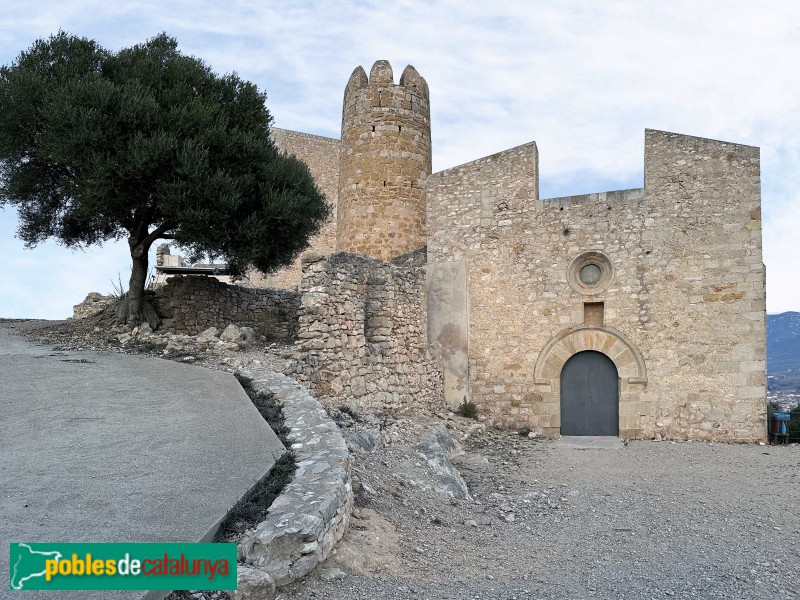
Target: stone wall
477 280
704 317
321 154
312 512
191 304
681 308
362 329
472 205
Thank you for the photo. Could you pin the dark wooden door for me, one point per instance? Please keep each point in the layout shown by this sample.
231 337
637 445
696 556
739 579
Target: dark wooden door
589 395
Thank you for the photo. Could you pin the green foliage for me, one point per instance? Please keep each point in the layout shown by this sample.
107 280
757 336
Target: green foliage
245 382
253 507
267 407
794 424
147 143
347 410
468 410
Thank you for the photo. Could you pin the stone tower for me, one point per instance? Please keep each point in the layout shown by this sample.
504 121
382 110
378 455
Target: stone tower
385 161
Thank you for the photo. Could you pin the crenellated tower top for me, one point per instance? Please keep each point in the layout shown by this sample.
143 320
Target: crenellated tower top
386 159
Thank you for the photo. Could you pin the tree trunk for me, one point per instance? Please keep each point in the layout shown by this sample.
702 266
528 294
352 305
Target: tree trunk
136 308
135 296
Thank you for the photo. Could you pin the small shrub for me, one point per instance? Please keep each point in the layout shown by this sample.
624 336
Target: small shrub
347 410
794 424
118 292
254 505
267 408
245 382
468 410
524 432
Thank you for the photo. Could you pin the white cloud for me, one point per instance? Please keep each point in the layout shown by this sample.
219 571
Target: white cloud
582 79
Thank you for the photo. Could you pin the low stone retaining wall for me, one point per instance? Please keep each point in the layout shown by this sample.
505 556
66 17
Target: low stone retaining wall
192 304
313 511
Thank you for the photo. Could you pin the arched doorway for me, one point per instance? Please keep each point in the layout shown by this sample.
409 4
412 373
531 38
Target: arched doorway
589 395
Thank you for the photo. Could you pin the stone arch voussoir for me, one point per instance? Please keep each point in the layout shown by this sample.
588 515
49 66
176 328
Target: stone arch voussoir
633 409
627 358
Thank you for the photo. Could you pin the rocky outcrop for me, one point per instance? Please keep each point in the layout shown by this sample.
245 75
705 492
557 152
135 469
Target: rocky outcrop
92 305
436 449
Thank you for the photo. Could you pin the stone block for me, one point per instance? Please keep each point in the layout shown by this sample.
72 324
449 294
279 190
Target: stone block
253 584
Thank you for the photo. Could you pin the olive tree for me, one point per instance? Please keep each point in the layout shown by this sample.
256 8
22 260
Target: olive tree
146 144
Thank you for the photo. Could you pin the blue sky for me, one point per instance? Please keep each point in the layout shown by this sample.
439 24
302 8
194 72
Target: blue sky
583 79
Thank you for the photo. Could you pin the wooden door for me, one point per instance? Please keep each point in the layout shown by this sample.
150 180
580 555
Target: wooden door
589 395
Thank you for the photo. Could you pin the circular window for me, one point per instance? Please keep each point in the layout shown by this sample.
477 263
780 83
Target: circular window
590 272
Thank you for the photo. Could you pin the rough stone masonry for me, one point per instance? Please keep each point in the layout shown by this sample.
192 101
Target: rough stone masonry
525 297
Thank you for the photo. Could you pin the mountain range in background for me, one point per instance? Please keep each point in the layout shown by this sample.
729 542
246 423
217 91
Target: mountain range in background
783 342
783 357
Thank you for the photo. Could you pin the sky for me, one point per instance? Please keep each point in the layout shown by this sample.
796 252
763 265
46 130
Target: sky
581 78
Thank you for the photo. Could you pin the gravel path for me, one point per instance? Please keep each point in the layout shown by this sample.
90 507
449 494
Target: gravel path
651 520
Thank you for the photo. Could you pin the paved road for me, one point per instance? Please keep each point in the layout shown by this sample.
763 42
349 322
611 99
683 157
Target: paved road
111 448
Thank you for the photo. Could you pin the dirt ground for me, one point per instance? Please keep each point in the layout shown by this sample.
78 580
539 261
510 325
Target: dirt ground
650 520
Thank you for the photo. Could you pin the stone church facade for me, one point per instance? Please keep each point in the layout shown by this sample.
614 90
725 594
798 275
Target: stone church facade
627 313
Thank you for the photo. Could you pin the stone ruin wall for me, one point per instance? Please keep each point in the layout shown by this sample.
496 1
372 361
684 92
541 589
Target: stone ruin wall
321 154
192 304
362 330
687 290
93 304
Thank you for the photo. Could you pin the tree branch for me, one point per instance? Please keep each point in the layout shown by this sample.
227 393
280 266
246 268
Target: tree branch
141 228
157 233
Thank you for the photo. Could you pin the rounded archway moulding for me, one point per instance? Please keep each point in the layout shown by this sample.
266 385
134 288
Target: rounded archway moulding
635 412
629 361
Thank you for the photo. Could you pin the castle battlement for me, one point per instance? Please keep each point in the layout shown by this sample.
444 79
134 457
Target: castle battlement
385 162
628 312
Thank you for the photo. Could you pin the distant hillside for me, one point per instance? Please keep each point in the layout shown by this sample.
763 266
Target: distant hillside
783 342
